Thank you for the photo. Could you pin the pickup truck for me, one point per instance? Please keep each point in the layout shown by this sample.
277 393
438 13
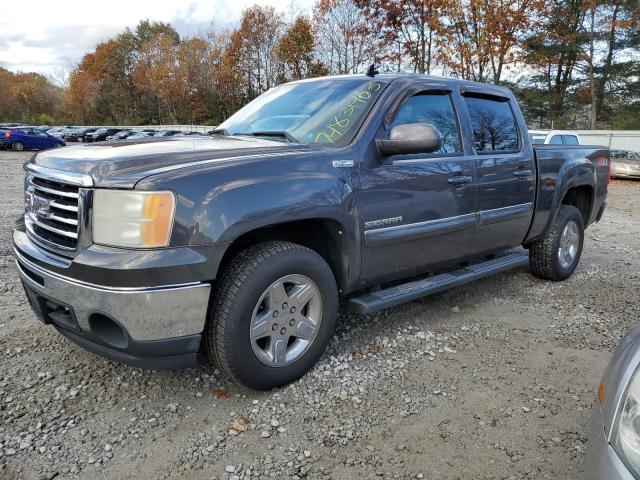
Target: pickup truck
239 247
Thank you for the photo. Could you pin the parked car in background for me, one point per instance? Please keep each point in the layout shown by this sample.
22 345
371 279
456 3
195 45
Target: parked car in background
613 451
143 134
101 134
12 125
56 131
77 134
167 133
625 164
554 137
59 131
121 135
29 138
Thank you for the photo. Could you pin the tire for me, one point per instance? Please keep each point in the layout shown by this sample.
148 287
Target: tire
239 303
17 146
546 256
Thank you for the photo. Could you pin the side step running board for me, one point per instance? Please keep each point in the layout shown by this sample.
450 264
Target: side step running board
390 297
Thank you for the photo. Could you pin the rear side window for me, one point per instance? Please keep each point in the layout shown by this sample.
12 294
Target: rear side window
570 139
435 109
493 124
555 140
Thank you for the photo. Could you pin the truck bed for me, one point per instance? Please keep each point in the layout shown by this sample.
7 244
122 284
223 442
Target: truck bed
567 165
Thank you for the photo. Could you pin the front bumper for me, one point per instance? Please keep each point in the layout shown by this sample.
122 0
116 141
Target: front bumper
601 461
156 327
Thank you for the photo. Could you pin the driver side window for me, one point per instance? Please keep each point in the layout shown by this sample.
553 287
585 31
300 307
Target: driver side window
435 109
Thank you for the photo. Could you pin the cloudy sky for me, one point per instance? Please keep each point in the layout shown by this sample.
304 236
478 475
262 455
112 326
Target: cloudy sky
48 37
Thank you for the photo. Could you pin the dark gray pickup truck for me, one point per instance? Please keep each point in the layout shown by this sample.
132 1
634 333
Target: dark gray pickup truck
239 246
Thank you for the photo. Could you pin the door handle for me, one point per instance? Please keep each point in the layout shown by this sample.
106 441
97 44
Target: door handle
459 180
522 173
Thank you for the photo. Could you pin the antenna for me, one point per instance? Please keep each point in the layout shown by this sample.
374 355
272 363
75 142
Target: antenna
372 72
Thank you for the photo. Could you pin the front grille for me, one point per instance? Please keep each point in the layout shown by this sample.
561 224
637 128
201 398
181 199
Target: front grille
53 209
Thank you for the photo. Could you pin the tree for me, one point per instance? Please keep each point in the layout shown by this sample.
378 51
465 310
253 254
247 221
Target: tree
484 37
345 44
412 25
554 51
295 52
578 60
256 40
30 98
620 33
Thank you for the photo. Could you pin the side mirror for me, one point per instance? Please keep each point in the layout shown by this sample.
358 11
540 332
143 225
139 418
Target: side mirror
411 138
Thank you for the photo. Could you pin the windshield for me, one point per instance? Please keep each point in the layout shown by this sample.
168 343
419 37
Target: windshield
326 112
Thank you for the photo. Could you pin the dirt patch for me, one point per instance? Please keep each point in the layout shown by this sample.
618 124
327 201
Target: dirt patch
493 380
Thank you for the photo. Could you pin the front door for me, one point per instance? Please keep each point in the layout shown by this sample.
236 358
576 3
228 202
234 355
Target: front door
419 210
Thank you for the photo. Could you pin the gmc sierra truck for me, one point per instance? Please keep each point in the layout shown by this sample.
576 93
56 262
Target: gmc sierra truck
239 247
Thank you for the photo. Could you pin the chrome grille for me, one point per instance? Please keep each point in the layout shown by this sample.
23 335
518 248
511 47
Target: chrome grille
53 207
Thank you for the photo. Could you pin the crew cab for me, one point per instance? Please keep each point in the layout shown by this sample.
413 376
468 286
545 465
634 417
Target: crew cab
239 247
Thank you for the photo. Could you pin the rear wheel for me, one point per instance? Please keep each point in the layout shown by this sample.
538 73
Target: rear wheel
273 315
17 146
557 255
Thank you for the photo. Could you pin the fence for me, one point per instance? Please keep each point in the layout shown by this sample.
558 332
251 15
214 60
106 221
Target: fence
614 139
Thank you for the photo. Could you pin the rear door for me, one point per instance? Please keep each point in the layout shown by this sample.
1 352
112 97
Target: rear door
505 170
26 137
419 210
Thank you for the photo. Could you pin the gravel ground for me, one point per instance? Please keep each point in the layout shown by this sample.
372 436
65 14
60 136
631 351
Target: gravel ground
490 381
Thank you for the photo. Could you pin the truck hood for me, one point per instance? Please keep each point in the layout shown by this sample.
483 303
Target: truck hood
123 164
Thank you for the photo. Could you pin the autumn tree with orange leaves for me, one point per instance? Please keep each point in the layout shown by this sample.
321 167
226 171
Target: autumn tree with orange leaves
296 52
485 37
571 63
409 28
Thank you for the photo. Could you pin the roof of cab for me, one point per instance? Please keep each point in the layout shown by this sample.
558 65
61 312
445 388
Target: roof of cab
390 77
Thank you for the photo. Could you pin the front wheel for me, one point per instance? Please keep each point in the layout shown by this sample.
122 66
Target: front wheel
273 314
557 255
17 146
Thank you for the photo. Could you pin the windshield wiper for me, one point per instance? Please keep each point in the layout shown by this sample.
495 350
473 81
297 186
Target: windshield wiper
218 131
272 133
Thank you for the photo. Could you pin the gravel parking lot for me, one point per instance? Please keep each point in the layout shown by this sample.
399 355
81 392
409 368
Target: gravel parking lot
491 381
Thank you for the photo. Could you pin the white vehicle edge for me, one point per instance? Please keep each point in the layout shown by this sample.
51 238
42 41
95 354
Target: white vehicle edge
554 137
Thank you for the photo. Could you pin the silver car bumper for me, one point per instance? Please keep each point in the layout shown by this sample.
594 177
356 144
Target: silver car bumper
602 462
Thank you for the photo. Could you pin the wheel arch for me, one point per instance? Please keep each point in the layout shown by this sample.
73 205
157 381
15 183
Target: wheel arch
325 236
581 197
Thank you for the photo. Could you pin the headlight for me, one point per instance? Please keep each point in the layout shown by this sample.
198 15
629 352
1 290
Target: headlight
626 433
128 218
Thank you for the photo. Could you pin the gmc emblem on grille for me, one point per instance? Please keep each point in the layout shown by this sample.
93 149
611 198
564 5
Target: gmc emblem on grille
37 206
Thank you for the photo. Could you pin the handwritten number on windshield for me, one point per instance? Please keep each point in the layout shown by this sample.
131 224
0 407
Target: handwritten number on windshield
341 122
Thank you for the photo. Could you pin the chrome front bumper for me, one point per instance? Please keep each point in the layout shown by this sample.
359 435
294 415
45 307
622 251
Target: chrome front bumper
144 313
